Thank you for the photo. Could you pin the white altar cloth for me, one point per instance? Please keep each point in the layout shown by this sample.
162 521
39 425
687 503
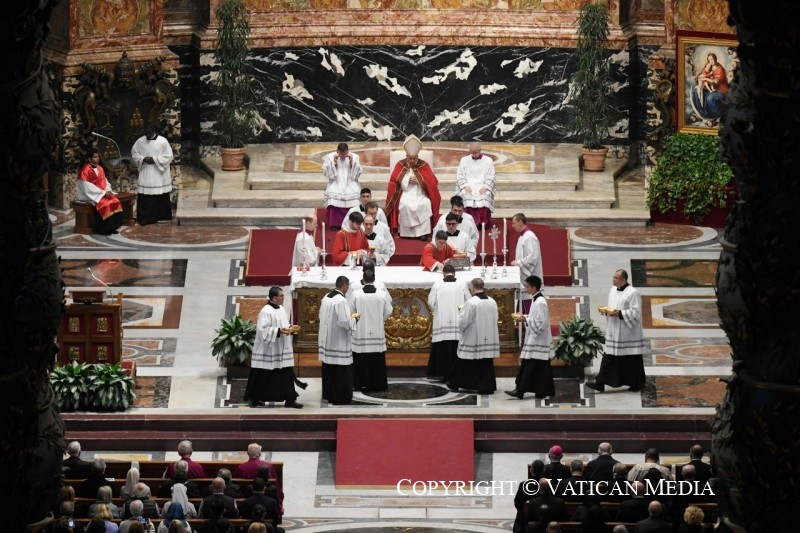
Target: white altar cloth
403 277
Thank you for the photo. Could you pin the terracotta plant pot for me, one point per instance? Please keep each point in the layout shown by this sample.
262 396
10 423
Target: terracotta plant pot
594 160
232 158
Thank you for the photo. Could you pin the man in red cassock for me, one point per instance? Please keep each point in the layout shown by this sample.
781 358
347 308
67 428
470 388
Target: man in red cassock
351 243
93 187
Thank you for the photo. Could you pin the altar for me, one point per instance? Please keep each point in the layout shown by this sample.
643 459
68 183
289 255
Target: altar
408 330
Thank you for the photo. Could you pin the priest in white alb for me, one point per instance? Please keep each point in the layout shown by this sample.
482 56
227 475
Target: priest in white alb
479 344
622 362
272 363
305 247
445 298
342 169
412 196
475 179
373 306
336 326
527 256
380 250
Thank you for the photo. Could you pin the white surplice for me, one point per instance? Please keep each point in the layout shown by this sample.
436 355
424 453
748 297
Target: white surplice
272 349
478 323
467 225
529 258
304 247
476 173
538 337
444 299
335 330
625 336
375 308
153 178
343 189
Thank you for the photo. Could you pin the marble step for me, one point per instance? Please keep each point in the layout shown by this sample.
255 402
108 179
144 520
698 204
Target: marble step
520 200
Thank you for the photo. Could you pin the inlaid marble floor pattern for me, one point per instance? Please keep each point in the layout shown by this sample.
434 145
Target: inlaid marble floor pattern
178 281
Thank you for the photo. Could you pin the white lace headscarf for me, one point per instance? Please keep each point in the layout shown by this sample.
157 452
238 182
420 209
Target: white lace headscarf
179 496
131 480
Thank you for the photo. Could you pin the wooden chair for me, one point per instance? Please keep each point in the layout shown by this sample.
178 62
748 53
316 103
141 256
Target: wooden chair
84 213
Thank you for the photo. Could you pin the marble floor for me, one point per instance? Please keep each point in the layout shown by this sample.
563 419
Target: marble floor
178 281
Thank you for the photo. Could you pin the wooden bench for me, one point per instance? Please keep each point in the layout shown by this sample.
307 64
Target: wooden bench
155 469
155 484
194 523
84 213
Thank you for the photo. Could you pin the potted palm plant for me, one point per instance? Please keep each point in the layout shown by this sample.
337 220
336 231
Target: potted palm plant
690 182
578 343
237 119
590 116
233 344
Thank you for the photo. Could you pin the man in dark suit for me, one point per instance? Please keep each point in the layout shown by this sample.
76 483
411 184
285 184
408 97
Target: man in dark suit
218 496
653 523
570 489
618 490
636 508
702 469
74 466
271 510
557 507
181 469
231 489
601 468
556 469
95 480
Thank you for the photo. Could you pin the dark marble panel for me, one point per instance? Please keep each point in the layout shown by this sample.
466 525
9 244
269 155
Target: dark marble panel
125 272
349 93
673 273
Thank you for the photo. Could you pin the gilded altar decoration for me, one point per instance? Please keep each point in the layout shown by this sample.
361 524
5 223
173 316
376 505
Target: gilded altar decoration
99 18
409 326
74 353
102 353
102 324
74 324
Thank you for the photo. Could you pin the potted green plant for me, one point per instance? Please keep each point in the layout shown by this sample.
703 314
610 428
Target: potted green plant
591 111
577 344
111 387
71 386
237 118
690 180
233 344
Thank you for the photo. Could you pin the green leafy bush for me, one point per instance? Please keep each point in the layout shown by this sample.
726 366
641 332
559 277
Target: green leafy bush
578 341
689 173
81 386
233 344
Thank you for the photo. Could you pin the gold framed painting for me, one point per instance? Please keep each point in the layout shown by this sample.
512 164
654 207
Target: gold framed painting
707 63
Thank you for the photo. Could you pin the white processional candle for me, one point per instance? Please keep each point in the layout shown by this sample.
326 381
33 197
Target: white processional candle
505 234
323 237
483 237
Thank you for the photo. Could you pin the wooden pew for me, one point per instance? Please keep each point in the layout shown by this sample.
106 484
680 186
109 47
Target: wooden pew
155 469
155 484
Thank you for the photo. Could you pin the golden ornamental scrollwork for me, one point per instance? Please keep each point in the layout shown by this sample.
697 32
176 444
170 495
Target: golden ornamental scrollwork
102 324
74 324
409 326
102 353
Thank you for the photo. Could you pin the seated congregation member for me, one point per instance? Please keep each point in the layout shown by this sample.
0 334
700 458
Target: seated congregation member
217 497
535 373
555 469
96 479
141 492
436 253
465 222
350 246
180 496
181 470
102 512
174 514
66 510
136 518
444 299
98 525
272 376
570 487
66 525
458 240
557 506
373 306
633 508
256 467
654 523
195 469
231 489
104 498
271 509
258 524
412 196
94 188
74 466
305 247
479 344
381 249
131 479
364 204
335 344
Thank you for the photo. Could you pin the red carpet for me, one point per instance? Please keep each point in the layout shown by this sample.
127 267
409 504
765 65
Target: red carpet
269 253
380 453
269 257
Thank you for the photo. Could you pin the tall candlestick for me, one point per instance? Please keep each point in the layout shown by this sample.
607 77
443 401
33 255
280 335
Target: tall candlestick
505 234
483 237
323 237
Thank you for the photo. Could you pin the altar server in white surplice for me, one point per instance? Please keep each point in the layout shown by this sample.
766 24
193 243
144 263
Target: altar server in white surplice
304 245
365 199
466 224
446 297
336 326
457 239
622 362
479 344
475 183
342 169
272 363
527 256
379 250
373 306
152 155
535 373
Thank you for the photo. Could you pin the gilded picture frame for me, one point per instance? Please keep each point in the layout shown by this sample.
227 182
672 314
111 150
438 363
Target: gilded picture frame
707 63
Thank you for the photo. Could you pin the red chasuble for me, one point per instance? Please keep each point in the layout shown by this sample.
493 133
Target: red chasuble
431 256
427 182
346 242
106 206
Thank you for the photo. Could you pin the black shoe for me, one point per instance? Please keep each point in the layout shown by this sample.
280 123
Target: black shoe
302 384
257 403
515 393
293 404
596 385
